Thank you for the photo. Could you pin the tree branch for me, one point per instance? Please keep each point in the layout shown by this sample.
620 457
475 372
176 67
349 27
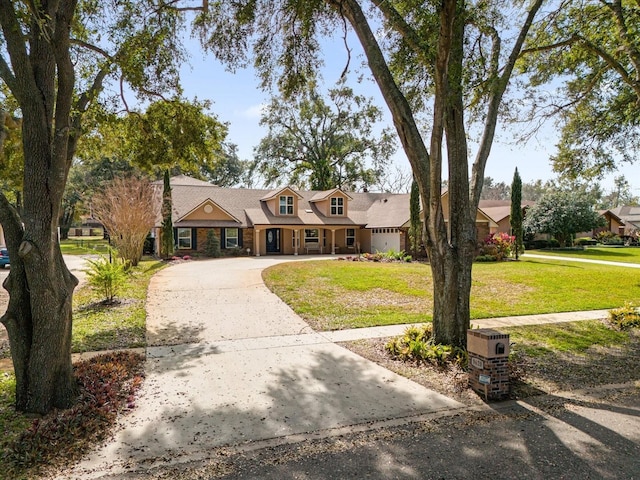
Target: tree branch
545 48
93 48
16 47
615 65
630 49
7 75
399 24
497 92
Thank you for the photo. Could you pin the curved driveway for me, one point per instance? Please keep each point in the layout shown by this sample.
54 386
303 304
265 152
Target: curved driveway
243 367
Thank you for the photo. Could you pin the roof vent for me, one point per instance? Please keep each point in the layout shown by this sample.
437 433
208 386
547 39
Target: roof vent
308 210
385 200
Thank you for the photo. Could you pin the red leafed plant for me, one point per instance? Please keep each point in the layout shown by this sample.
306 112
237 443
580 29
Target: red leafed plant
107 384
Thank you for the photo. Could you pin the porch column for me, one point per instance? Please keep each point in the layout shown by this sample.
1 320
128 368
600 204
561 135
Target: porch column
256 243
296 239
333 242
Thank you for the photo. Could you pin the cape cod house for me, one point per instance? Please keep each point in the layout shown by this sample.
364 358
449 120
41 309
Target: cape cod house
285 220
290 222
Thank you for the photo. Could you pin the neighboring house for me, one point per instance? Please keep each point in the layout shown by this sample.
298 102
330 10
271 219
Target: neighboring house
285 220
613 223
623 221
499 214
2 242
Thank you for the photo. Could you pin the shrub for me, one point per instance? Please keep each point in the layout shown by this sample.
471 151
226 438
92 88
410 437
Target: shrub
106 276
608 238
416 346
212 245
486 258
499 245
625 317
399 256
584 241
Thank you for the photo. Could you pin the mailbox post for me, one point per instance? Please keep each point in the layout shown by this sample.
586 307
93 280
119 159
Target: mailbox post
488 362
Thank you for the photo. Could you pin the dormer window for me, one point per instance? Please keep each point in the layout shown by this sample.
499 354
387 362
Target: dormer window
337 206
286 205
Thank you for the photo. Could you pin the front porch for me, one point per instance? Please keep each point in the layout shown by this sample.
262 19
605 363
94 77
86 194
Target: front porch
307 240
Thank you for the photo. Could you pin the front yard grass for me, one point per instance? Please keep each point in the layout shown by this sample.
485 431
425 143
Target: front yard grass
610 254
97 326
333 295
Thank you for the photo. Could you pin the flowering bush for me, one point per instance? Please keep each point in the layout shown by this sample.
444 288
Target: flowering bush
497 246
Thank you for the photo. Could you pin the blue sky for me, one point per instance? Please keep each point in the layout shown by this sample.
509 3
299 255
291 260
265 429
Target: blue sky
237 99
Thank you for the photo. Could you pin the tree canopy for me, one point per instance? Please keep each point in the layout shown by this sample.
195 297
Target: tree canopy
593 48
562 214
318 144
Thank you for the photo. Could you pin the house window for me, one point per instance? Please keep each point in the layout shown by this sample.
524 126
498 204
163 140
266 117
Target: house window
311 235
286 205
351 237
231 237
337 206
184 239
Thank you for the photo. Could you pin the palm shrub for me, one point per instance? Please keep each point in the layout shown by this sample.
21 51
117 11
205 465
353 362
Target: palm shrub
625 317
416 345
107 277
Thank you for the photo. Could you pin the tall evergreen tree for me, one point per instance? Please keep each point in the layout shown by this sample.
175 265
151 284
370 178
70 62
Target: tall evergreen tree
415 229
516 211
166 244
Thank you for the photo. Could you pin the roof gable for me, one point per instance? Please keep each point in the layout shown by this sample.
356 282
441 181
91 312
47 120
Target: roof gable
283 191
325 194
208 210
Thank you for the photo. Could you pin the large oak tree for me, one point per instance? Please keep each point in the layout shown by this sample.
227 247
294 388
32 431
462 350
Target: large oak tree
57 57
319 143
454 56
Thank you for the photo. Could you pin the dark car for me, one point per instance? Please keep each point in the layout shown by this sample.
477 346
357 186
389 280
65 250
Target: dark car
4 257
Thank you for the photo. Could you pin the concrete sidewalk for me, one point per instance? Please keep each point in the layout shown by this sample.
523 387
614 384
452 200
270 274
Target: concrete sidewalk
583 260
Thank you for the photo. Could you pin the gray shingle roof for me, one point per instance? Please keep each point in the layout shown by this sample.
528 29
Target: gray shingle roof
373 210
630 215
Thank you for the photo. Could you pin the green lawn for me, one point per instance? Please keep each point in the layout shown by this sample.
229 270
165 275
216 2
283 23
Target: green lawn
100 327
84 245
611 254
340 294
570 337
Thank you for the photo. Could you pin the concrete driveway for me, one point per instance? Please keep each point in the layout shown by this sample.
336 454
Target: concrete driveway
243 367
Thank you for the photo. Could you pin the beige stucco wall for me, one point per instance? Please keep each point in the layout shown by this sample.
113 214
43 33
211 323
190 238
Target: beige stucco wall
216 214
2 242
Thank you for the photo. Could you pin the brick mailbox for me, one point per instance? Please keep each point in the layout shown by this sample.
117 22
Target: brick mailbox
488 362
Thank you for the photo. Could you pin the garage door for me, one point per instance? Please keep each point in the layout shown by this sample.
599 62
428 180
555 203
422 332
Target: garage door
384 239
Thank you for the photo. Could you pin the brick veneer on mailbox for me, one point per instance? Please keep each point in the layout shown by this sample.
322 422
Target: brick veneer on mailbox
488 358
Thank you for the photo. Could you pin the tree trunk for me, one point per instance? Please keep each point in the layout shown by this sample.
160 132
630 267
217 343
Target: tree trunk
451 247
38 318
38 321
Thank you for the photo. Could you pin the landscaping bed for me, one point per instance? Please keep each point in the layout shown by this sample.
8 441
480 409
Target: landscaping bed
545 359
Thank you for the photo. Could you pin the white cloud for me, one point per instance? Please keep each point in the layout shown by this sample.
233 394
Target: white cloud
254 111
